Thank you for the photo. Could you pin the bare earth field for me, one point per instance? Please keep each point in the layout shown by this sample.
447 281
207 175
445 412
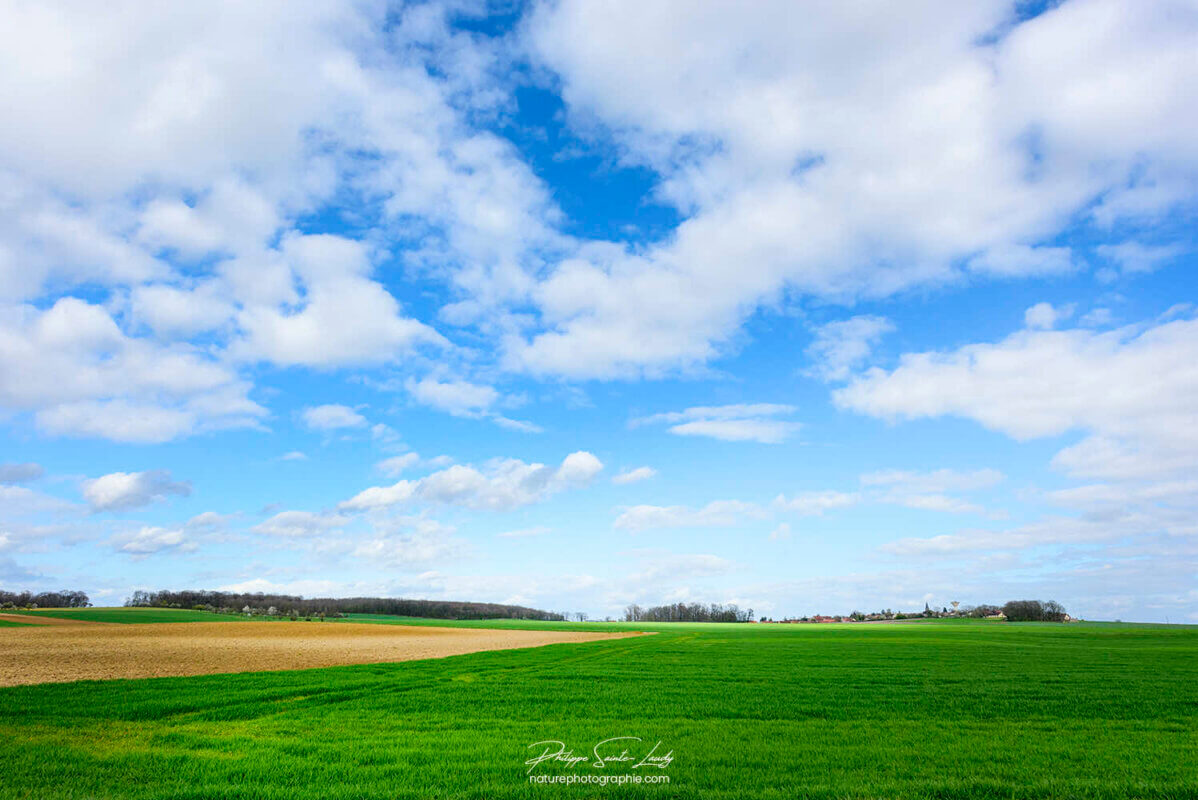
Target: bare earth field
66 650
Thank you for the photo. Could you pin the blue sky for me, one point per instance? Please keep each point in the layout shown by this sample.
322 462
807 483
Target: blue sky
576 305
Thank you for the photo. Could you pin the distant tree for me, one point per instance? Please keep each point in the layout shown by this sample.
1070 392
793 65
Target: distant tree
1034 611
61 599
1054 611
256 602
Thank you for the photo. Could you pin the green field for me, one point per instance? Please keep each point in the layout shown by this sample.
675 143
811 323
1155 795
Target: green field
8 623
944 710
132 616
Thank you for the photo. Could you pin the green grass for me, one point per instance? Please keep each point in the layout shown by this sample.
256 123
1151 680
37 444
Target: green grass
8 623
132 616
935 710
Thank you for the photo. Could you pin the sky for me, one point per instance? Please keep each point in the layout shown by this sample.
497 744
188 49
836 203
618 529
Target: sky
809 308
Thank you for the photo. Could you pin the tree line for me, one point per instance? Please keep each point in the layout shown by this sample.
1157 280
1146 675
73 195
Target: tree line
688 612
63 599
261 603
1034 611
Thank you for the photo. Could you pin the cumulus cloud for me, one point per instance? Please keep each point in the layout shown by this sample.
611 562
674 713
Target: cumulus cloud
121 491
500 485
80 374
998 132
841 346
150 540
332 417
465 399
460 398
744 422
194 235
344 318
628 476
1044 316
1130 390
396 465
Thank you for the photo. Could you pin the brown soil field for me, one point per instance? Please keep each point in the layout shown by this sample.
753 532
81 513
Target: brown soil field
88 651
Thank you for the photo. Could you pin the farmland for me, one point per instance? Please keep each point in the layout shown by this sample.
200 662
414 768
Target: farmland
76 650
131 616
921 710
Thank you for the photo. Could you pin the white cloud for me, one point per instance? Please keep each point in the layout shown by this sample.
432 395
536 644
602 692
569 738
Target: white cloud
396 465
935 502
150 540
816 503
628 476
1130 390
380 496
1134 257
1052 531
174 312
21 500
1044 317
81 375
345 318
744 422
120 491
460 398
1021 261
842 346
332 417
465 399
501 485
520 425
780 533
718 513
299 524
764 128
192 233
293 455
20 473
925 491
206 521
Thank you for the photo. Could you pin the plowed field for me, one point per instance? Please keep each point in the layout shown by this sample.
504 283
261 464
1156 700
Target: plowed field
65 650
